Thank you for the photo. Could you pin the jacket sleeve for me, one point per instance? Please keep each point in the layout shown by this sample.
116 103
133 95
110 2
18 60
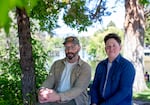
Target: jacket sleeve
49 82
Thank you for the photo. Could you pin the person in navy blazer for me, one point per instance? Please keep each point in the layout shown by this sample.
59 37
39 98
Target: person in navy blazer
114 76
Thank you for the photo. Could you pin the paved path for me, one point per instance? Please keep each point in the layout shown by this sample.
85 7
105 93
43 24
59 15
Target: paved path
140 103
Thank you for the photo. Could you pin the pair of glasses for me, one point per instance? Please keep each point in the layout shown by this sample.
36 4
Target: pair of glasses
73 47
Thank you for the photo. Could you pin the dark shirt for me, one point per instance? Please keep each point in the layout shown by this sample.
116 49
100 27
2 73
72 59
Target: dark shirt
146 77
118 89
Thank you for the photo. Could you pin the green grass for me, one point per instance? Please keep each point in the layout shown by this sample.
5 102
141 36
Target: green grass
148 84
143 96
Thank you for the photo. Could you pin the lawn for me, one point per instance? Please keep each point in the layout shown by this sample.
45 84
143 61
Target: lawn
143 96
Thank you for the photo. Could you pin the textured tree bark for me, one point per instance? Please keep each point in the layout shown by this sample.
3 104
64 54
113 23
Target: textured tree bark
26 59
134 40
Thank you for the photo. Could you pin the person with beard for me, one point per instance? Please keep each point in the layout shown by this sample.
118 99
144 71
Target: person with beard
68 79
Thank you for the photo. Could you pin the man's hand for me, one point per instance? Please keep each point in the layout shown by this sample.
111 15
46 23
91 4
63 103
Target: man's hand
48 95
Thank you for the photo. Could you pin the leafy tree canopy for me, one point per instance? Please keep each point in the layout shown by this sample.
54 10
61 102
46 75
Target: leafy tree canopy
75 13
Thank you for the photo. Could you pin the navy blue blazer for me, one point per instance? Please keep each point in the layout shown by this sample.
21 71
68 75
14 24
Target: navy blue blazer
120 80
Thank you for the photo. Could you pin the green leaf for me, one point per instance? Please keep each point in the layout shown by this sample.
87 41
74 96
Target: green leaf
7 25
144 2
30 5
14 3
4 9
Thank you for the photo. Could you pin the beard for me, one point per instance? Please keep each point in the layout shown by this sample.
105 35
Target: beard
71 55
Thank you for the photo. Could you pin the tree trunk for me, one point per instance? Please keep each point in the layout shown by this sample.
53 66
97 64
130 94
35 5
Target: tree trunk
26 59
134 40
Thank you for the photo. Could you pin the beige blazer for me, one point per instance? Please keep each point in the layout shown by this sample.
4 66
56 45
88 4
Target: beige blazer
80 79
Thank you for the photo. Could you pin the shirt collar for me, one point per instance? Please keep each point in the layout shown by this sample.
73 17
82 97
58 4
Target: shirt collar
117 59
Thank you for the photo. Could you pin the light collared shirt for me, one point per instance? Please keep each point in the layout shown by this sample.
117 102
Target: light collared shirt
108 69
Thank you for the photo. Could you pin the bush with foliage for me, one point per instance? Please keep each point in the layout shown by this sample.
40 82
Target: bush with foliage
10 72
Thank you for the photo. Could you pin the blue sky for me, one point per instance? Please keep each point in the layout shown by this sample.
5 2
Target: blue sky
118 16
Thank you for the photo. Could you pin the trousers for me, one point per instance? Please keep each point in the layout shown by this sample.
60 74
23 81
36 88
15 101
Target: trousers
72 102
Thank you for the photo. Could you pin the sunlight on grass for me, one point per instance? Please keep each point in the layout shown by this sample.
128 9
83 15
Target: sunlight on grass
143 96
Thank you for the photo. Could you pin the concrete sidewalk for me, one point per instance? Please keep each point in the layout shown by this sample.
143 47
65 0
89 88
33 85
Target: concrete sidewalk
135 102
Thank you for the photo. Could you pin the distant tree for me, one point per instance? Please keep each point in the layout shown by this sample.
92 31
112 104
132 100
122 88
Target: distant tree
111 23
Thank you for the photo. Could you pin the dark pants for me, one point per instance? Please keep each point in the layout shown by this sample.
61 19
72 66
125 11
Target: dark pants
72 102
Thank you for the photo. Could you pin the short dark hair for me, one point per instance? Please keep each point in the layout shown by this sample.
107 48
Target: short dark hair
114 36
